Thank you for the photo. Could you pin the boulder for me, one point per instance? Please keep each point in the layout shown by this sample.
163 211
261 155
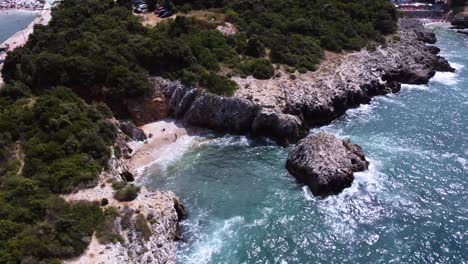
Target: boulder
224 114
460 20
132 131
325 163
283 128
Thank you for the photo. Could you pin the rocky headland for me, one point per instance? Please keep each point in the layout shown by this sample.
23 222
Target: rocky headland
144 229
283 109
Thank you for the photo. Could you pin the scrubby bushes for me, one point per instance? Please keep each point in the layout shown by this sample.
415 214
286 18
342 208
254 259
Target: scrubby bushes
258 68
127 193
54 131
94 44
218 84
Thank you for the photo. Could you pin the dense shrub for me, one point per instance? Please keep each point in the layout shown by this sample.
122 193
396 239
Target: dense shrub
218 84
94 44
141 226
54 131
128 193
258 68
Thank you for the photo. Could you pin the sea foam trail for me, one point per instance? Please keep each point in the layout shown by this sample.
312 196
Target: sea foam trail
171 153
449 78
210 243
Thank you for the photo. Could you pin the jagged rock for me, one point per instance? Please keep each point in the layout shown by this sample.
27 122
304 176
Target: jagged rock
225 114
460 20
282 128
180 209
185 102
132 131
127 176
147 109
365 74
325 163
433 49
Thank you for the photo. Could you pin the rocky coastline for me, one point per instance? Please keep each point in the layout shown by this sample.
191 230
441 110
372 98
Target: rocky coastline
146 227
287 115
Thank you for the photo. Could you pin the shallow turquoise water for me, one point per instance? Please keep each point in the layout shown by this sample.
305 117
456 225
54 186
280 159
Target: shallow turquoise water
11 21
410 207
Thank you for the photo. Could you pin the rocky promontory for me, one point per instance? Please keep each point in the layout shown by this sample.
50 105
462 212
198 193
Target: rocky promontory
138 230
325 163
283 109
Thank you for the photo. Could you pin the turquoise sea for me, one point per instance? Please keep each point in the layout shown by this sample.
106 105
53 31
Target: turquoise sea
410 207
12 21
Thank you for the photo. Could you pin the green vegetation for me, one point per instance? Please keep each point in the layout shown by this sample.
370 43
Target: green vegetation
94 44
142 227
127 193
66 145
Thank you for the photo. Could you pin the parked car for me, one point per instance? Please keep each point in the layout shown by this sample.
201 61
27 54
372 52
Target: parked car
162 11
137 10
142 6
166 14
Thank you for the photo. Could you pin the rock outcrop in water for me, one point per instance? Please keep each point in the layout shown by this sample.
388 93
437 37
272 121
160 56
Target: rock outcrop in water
325 163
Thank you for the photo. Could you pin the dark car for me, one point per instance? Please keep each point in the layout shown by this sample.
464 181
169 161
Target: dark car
137 10
161 12
167 14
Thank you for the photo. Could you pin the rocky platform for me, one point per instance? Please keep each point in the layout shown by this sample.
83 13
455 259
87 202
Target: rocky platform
286 110
325 163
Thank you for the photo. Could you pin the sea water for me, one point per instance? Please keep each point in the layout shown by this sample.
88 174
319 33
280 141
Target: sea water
411 206
12 21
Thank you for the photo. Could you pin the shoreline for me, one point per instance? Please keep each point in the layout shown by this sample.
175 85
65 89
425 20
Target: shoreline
167 134
23 9
284 110
21 37
159 205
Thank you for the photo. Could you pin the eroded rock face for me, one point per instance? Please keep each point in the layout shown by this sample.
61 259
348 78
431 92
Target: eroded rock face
283 128
225 114
325 163
365 74
285 114
132 131
460 20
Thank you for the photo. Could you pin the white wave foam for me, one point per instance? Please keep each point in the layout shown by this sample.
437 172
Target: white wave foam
457 66
392 99
415 86
172 152
307 193
357 204
463 162
446 78
211 243
230 140
363 113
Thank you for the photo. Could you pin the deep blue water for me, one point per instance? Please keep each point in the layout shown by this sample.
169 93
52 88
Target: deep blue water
11 21
410 207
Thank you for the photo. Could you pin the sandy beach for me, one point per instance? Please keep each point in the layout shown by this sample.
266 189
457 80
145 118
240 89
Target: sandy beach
164 137
20 37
